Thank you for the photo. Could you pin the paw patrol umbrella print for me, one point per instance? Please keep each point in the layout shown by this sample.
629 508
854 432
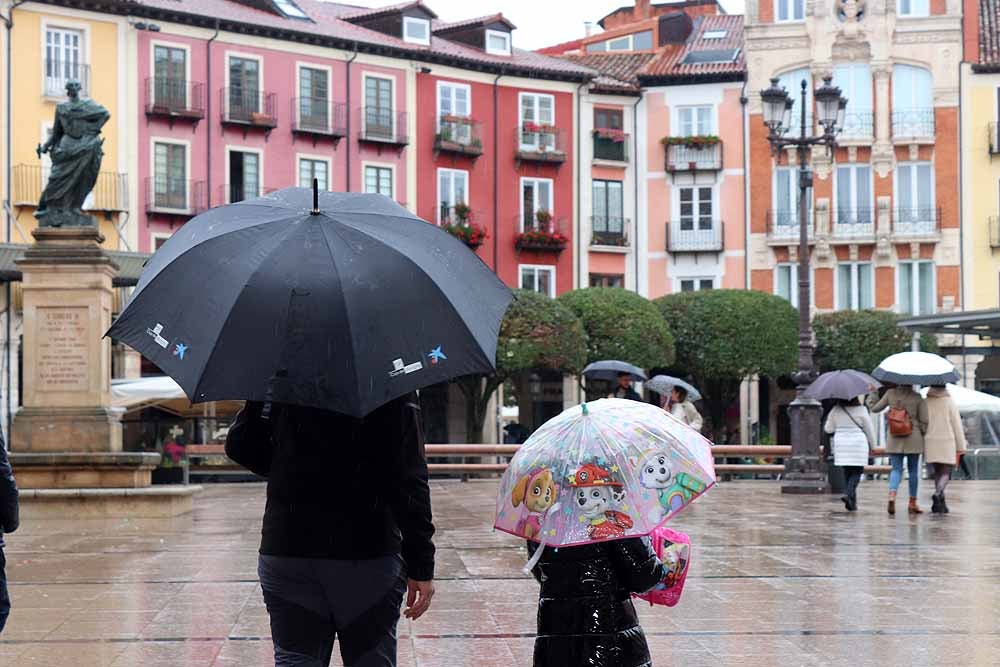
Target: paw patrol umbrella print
603 471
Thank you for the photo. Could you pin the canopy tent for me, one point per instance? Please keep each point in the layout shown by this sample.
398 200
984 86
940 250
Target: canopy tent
129 264
982 323
980 415
162 392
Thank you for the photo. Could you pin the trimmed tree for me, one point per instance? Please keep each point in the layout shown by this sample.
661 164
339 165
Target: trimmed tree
537 332
621 325
861 339
724 336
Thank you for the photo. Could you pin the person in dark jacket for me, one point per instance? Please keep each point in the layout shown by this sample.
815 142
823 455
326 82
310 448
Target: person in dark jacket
10 519
347 527
585 613
625 389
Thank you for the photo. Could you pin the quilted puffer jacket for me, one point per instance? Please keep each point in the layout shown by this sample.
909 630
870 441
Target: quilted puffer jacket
585 613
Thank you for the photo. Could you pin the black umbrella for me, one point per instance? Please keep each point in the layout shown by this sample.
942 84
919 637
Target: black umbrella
342 303
610 370
842 384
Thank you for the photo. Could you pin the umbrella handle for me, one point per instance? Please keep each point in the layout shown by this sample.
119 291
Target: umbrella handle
315 208
537 556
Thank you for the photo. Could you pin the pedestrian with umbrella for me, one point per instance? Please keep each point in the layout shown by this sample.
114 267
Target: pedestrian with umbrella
622 373
293 302
907 422
944 438
849 423
676 397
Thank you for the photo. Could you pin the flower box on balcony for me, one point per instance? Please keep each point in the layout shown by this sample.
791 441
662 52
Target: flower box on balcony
469 233
542 240
262 119
693 153
615 135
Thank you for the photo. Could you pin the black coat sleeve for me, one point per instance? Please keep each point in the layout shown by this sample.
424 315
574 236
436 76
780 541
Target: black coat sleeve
10 517
636 564
413 501
249 439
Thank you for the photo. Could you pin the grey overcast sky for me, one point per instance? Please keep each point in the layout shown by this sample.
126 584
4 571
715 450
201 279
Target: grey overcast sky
539 22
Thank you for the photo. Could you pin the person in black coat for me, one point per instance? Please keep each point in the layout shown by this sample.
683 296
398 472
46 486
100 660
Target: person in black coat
585 613
10 519
625 389
347 527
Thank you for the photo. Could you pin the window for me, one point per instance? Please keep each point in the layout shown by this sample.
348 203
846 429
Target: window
915 211
912 102
454 105
620 44
914 8
453 189
314 99
607 280
786 197
378 180
697 284
791 10
416 31
244 88
170 77
792 82
539 110
379 117
63 59
244 175
607 146
786 282
695 208
541 279
498 43
855 80
854 197
536 196
915 288
158 242
609 218
311 168
694 121
715 34
642 41
289 8
170 176
855 286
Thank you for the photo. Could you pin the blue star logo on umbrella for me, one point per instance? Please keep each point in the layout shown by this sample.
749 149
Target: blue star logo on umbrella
437 355
179 350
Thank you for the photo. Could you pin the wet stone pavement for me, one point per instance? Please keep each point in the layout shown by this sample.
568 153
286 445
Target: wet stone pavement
775 580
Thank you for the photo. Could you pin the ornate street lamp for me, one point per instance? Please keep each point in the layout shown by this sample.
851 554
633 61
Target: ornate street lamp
804 471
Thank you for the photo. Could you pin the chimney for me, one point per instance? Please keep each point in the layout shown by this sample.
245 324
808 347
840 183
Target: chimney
641 10
588 28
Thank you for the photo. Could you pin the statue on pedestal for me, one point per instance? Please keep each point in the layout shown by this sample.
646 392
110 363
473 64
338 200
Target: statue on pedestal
76 150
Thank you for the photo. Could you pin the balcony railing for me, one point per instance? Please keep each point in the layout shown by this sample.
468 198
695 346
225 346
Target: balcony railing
610 144
854 223
994 222
783 226
110 192
175 98
695 236
858 125
693 157
458 134
540 143
174 196
609 231
383 125
916 221
540 235
453 215
913 124
59 72
319 116
994 132
248 107
230 193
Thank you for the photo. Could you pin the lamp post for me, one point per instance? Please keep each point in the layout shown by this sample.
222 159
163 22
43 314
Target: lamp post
804 471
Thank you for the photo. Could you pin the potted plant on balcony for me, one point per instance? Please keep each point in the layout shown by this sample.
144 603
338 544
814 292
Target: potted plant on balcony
693 141
542 236
463 228
614 134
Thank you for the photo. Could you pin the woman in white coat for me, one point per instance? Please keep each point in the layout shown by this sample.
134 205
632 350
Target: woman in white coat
853 436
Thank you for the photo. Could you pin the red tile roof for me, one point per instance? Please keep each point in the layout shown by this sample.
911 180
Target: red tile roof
372 12
989 36
618 71
474 22
672 64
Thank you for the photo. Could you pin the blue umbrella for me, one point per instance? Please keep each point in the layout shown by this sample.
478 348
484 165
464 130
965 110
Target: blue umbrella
610 370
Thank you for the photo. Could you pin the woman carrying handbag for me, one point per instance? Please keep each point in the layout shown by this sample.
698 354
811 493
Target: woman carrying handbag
853 435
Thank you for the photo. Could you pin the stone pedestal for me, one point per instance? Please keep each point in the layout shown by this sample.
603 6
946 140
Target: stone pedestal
804 470
67 437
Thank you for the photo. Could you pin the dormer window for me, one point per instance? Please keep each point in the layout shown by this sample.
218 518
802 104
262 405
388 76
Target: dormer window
498 43
290 9
416 30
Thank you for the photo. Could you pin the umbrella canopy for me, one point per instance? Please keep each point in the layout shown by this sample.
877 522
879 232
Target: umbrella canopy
610 369
845 384
601 471
664 384
344 303
916 368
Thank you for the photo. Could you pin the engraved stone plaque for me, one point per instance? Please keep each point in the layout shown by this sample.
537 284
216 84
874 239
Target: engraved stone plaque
62 349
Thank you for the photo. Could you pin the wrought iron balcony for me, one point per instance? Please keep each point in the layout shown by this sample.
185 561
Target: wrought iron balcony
175 196
384 126
853 223
110 193
175 98
783 226
249 108
230 193
319 117
58 73
458 215
695 235
610 144
913 126
609 231
692 154
458 135
916 222
540 233
539 143
859 124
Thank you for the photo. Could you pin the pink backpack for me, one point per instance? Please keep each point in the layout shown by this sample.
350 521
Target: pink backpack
674 549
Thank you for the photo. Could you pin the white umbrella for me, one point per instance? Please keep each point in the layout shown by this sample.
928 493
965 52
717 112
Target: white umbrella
664 384
916 368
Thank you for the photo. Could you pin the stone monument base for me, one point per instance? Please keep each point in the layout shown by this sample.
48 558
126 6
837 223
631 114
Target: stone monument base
83 470
154 502
68 429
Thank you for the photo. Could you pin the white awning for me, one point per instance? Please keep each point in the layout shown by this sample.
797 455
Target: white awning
144 392
969 400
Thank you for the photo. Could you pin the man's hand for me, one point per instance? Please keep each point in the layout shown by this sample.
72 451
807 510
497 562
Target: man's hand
418 598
